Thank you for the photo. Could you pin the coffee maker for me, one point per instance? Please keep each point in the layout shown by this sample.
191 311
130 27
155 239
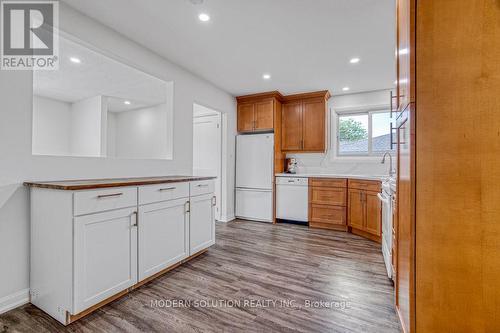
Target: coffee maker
291 165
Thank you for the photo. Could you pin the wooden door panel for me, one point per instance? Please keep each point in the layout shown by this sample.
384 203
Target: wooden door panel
356 209
328 196
328 182
246 117
404 235
367 185
328 214
406 56
291 127
314 118
264 115
373 220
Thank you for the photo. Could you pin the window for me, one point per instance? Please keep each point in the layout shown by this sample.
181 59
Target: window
365 133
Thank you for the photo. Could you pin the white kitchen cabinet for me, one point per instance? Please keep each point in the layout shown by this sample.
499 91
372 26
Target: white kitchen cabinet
105 251
89 245
163 235
202 222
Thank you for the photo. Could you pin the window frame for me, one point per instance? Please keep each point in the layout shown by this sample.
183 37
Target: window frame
369 111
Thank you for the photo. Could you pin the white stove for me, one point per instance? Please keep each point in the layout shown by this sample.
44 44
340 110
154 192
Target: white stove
386 197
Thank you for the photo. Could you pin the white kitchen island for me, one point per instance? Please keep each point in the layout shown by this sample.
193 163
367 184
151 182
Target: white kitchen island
93 241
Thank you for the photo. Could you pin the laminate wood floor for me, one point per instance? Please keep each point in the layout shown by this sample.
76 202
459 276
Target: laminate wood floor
257 278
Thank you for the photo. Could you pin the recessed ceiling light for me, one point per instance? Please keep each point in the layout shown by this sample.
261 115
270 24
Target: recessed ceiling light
266 76
127 102
354 60
345 89
204 17
75 60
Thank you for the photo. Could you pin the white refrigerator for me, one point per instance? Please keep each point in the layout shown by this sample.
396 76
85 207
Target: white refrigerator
254 176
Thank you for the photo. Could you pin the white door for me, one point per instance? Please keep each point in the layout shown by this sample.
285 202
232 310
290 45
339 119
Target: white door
207 158
105 253
254 161
163 236
201 223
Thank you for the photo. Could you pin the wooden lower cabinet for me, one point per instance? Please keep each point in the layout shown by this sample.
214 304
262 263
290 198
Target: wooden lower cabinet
365 209
348 205
356 209
328 217
373 214
328 204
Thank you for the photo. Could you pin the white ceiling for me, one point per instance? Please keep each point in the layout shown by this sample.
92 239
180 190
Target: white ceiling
304 44
98 75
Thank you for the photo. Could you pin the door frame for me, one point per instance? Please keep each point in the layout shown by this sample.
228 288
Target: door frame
222 117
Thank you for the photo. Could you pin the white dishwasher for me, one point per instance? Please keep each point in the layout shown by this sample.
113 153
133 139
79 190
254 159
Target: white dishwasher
292 199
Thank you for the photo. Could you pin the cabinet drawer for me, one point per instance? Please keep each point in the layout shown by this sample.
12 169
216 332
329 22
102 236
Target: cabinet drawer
86 202
201 187
368 185
328 214
163 192
328 182
328 196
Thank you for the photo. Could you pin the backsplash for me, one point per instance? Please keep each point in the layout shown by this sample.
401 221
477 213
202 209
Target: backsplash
322 163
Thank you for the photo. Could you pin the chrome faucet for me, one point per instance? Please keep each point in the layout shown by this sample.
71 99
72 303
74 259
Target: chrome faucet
391 170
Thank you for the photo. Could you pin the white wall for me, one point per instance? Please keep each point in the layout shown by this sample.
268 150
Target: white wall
329 162
51 126
111 135
142 133
86 127
18 164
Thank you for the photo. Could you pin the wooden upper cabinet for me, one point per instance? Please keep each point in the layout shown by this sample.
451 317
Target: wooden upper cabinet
291 126
314 118
299 121
246 117
304 122
259 112
264 115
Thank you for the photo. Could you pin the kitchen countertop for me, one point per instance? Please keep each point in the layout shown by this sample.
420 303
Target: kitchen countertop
332 175
88 184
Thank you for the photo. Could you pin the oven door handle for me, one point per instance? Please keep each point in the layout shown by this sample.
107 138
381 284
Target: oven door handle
382 198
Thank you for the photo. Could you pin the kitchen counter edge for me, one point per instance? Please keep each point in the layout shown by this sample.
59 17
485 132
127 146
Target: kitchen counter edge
90 184
319 175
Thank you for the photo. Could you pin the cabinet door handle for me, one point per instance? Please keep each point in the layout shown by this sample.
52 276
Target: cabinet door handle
203 185
392 135
187 206
102 196
214 201
136 222
167 189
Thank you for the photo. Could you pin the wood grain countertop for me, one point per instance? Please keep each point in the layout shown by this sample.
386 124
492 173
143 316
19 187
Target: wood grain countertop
88 184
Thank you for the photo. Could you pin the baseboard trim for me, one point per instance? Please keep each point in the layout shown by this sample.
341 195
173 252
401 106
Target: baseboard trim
14 300
227 219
